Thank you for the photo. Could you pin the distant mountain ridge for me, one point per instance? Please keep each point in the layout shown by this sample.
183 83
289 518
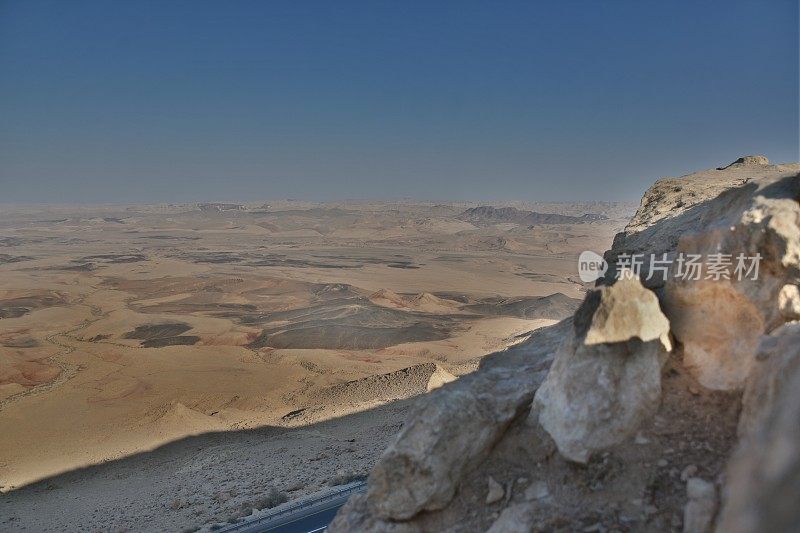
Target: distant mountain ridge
487 214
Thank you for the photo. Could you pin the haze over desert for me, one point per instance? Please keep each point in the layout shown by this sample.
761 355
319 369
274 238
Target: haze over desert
126 328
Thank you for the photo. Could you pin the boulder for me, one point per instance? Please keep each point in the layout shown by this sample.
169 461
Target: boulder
763 476
624 311
356 516
719 329
451 430
607 377
777 360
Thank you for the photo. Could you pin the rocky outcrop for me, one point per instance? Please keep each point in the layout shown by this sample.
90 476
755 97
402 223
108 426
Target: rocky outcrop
451 430
741 226
675 207
446 435
720 318
651 429
607 377
449 433
748 160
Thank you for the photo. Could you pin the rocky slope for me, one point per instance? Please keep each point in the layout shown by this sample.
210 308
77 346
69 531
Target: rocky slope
666 403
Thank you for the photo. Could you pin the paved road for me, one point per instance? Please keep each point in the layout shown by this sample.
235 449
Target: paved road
310 517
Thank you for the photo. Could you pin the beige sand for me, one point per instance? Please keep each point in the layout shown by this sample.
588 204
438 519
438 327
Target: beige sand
124 329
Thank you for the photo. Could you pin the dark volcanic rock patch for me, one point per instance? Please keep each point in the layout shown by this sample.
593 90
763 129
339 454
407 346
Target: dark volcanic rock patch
154 331
76 267
181 340
537 276
283 260
11 241
404 264
332 336
354 324
17 307
21 342
168 237
6 258
487 214
11 311
555 306
157 331
115 258
160 335
8 242
396 261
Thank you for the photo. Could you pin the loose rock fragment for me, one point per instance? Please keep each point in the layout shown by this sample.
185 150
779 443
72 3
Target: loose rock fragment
495 493
699 512
607 378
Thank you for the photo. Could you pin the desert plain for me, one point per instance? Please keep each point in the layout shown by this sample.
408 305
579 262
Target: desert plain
183 365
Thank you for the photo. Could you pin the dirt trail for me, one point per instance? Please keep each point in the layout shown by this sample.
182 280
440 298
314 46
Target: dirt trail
68 370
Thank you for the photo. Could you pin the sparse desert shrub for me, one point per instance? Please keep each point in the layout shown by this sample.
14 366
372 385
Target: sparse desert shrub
269 500
345 478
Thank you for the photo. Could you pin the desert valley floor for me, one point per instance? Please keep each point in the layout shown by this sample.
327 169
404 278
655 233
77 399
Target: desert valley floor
185 364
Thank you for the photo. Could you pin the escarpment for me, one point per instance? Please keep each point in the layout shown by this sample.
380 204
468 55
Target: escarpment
670 401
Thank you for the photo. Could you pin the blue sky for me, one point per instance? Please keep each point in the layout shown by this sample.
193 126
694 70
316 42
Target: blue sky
113 101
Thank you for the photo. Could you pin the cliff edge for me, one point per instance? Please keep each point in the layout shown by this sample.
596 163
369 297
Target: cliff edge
670 401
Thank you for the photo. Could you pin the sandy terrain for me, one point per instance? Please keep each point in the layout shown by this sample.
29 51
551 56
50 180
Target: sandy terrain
286 330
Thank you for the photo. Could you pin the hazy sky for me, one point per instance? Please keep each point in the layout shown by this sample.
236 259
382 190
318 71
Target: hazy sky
131 101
